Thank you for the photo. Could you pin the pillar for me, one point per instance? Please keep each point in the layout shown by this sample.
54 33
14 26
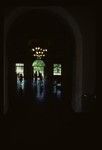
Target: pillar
28 77
49 72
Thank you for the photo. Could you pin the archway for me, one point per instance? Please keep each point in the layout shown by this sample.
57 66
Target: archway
38 67
77 77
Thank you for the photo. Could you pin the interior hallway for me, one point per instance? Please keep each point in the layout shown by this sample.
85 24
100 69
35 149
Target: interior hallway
41 112
35 114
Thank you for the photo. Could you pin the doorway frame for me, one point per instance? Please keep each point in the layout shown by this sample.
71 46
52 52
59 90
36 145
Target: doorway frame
78 66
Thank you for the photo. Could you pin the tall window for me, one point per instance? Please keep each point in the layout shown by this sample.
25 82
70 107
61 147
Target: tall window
57 69
19 68
38 66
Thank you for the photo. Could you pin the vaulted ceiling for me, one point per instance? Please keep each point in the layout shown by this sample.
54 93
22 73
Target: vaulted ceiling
38 28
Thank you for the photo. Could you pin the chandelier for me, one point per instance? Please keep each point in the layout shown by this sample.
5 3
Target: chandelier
39 52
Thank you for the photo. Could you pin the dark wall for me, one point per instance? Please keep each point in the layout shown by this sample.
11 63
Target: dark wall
85 16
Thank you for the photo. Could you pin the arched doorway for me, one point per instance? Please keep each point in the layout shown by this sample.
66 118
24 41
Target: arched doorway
38 68
77 77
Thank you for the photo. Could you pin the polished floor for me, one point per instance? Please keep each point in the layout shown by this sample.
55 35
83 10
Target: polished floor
36 112
37 115
39 90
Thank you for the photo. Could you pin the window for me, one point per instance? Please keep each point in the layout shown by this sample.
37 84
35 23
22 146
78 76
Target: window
19 68
18 65
38 66
38 63
57 69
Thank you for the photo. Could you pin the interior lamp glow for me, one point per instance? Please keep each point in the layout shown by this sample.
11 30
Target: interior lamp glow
39 52
33 49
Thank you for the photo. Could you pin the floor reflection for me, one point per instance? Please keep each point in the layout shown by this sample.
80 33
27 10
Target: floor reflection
40 89
20 86
57 89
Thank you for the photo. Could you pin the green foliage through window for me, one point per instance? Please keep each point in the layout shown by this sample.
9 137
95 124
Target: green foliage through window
38 66
57 69
38 63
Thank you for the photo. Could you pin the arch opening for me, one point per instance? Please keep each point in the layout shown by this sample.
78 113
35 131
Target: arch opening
77 83
38 68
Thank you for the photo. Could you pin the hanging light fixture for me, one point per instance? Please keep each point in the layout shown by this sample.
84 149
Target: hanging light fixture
33 49
39 52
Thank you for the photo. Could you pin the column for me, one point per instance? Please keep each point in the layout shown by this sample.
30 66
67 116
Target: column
49 72
28 78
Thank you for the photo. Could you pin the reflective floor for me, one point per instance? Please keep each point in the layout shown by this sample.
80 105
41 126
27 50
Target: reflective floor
39 90
38 114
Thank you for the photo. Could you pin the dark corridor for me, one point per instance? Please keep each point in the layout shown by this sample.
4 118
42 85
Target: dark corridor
39 106
52 34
